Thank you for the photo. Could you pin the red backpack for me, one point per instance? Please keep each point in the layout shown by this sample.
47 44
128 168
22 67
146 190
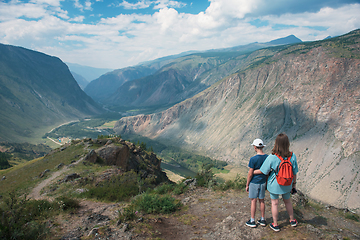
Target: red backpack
285 174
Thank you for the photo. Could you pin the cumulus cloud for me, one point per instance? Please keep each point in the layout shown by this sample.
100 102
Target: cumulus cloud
138 5
126 39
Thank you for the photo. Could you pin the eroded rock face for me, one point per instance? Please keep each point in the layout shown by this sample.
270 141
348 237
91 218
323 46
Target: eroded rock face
314 97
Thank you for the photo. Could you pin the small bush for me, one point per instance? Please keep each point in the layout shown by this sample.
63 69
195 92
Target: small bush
205 176
238 184
66 203
118 188
179 188
129 213
153 203
163 188
352 216
22 218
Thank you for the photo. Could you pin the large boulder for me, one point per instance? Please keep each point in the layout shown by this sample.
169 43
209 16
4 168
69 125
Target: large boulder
115 155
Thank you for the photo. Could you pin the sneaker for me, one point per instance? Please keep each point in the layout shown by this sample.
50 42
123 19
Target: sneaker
262 222
293 223
251 224
275 228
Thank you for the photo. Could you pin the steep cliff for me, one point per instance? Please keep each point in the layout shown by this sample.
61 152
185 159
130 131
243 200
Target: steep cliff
311 91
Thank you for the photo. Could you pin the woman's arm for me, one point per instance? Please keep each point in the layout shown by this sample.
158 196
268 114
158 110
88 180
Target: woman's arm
257 171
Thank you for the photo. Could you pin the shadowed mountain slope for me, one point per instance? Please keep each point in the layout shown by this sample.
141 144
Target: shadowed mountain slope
311 91
102 87
37 90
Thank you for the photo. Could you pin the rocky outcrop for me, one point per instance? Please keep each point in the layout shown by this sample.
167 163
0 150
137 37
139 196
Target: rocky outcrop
127 156
310 91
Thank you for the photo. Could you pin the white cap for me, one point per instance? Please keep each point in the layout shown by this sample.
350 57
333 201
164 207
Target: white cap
258 143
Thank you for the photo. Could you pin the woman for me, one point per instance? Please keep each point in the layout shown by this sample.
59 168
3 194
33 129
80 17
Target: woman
271 166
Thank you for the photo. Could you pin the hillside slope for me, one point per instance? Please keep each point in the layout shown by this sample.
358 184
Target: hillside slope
311 91
37 90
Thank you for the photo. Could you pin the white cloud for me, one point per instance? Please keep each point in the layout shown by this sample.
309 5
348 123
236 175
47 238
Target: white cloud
139 5
55 3
127 39
168 4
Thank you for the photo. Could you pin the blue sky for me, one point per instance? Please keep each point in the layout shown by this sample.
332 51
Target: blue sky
116 34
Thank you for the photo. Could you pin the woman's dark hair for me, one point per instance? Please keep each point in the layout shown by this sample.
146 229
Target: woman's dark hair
282 145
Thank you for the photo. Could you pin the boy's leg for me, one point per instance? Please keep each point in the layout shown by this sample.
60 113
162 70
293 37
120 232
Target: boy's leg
253 195
262 200
253 207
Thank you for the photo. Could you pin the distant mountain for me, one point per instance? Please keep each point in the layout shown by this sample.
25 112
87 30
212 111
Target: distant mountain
291 39
309 90
89 73
80 80
178 77
103 87
37 90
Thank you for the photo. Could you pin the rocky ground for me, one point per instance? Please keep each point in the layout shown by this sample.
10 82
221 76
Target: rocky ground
206 214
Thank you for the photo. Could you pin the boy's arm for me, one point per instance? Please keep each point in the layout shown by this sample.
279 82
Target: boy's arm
249 177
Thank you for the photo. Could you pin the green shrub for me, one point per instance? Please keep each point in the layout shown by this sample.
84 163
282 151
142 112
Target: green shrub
154 203
352 216
238 184
66 203
118 188
23 218
4 160
129 213
179 188
164 188
205 176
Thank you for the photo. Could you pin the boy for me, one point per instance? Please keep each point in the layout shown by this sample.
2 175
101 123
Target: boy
256 184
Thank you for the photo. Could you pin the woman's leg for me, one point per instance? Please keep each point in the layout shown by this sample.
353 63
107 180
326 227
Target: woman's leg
274 210
289 208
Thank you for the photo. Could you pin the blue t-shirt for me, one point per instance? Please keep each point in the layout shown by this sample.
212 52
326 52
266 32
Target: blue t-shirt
255 163
272 162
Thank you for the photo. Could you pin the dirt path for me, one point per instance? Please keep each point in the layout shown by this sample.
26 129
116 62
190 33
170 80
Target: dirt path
36 191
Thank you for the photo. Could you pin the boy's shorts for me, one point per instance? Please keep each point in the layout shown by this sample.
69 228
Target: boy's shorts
257 190
285 196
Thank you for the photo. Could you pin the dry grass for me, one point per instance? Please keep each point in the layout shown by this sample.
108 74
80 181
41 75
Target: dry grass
173 176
